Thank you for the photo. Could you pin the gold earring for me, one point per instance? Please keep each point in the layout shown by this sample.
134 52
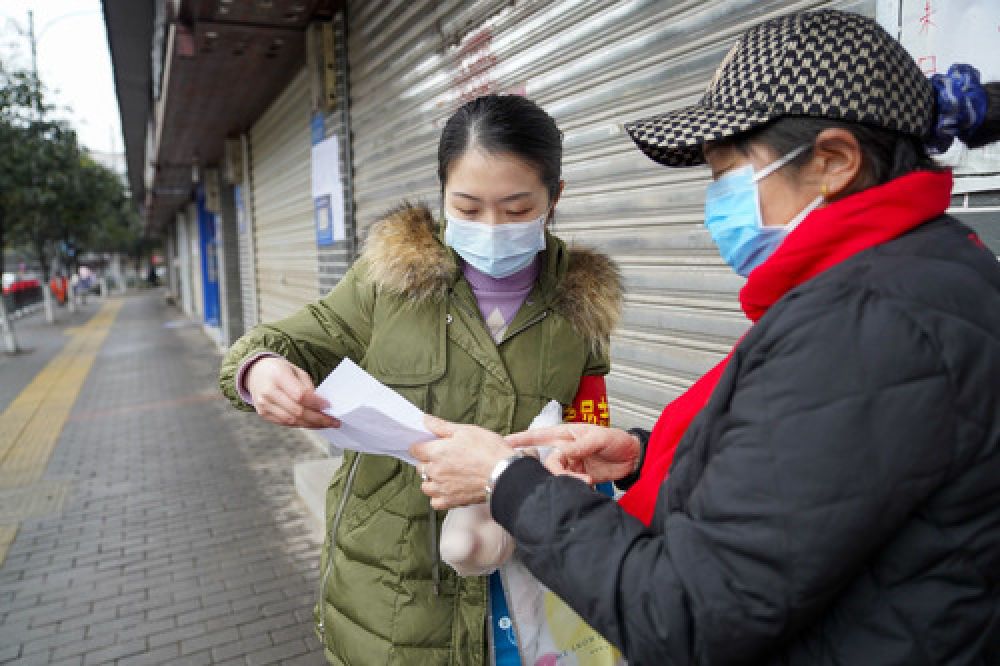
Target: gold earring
824 191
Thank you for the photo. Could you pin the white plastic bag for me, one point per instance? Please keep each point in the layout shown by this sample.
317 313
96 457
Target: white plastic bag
549 633
472 543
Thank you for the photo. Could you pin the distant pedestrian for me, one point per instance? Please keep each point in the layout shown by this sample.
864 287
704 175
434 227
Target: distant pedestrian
85 283
59 286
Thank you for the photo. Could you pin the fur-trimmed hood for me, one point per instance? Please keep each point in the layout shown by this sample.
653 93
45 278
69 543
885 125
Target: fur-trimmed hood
404 255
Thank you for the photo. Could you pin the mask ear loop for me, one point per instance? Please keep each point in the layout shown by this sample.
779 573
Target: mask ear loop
778 163
813 205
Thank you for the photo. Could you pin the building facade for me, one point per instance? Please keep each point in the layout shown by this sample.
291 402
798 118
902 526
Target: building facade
275 134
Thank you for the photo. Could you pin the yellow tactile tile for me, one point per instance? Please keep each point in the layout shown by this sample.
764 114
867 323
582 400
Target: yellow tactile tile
32 423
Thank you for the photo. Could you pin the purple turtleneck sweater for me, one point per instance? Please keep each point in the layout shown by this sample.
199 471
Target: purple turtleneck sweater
499 299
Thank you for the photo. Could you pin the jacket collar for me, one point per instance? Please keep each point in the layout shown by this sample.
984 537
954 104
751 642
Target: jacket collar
404 254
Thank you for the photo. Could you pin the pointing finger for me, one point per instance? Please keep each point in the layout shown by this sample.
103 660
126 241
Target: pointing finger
538 437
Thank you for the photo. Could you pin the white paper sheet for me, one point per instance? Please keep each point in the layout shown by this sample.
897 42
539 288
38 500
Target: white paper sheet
373 417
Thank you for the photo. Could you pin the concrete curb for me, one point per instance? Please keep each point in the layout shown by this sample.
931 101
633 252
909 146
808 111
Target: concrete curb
311 481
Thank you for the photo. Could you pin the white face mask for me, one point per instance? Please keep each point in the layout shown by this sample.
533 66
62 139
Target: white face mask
498 250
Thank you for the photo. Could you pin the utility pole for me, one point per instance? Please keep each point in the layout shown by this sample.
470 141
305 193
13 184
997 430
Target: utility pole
7 330
50 315
34 55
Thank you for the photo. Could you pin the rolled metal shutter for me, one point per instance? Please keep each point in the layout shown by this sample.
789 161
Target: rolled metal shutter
335 259
245 225
593 66
284 236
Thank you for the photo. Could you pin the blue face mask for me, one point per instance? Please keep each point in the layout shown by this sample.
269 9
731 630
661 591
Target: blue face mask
732 216
498 250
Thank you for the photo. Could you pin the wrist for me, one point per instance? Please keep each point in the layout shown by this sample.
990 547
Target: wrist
242 379
641 438
498 469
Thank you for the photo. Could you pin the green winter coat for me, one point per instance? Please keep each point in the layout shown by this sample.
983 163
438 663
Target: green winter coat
405 314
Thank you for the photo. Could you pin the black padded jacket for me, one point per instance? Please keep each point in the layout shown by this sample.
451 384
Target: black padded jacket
837 502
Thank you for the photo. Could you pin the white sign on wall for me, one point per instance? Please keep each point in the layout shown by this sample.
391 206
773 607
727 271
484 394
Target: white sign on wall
327 191
939 33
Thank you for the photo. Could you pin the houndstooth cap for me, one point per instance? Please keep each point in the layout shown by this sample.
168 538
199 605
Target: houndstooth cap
827 64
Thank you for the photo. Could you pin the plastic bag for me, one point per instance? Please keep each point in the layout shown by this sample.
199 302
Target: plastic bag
549 632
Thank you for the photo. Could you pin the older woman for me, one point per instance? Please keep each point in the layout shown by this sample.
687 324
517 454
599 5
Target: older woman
835 494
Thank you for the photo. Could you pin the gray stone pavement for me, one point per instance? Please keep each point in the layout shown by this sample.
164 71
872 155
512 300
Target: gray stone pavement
181 539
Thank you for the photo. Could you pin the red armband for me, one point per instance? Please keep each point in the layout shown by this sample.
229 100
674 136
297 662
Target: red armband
590 404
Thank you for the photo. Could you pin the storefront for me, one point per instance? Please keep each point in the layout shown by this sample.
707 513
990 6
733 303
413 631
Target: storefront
284 237
593 66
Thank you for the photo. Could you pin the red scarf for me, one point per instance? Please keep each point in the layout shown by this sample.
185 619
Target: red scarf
825 238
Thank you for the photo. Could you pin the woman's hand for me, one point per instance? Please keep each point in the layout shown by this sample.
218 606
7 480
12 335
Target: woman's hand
591 452
457 467
284 394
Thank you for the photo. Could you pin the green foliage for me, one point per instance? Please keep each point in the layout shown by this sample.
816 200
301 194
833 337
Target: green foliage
55 201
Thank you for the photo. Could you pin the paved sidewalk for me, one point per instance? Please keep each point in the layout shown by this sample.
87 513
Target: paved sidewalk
172 533
40 341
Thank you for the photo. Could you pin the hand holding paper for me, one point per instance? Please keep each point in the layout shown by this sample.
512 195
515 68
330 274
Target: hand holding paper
373 417
284 394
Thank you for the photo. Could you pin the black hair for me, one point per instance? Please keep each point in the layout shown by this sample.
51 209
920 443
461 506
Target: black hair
885 154
989 131
504 124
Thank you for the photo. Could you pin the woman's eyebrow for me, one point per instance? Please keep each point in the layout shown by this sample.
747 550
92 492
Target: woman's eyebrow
515 197
511 197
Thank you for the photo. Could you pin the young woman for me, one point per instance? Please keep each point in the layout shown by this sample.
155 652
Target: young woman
835 494
482 320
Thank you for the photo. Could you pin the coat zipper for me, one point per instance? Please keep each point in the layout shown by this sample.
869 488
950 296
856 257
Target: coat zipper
476 315
526 325
331 549
490 642
435 558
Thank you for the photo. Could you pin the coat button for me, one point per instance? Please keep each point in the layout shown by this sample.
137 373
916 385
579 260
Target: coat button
448 319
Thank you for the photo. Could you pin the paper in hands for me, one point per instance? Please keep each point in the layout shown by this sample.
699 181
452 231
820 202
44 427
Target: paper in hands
373 417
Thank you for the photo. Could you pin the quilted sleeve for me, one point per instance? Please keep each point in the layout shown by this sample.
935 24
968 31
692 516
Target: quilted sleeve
834 432
315 338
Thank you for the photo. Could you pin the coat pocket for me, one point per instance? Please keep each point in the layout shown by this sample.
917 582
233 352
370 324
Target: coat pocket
408 345
378 480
